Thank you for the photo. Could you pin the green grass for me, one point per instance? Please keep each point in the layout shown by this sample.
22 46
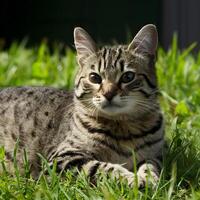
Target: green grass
179 80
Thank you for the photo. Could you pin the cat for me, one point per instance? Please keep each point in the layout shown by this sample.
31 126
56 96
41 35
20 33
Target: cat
111 119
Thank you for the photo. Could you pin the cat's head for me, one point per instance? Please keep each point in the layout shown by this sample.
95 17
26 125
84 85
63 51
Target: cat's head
117 80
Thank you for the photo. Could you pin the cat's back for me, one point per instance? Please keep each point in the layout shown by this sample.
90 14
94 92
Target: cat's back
34 94
20 98
32 116
27 112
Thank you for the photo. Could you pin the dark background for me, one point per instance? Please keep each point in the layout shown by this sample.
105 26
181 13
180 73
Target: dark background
105 20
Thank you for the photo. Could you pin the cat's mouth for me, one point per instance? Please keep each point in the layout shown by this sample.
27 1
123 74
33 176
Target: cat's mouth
110 105
111 108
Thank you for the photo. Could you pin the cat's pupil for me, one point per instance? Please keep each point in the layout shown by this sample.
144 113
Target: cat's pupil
127 77
95 78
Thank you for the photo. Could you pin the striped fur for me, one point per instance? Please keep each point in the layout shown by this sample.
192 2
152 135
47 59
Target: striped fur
99 126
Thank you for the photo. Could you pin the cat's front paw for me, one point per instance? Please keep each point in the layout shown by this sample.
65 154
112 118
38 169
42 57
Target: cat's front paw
131 179
147 175
142 179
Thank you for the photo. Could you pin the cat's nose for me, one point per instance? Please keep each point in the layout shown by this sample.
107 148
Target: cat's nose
109 91
109 95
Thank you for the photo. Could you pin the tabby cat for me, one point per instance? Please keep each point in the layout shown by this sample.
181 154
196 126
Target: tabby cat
112 113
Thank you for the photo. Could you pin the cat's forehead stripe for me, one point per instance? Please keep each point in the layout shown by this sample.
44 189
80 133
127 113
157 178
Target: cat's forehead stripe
99 65
121 63
118 55
110 56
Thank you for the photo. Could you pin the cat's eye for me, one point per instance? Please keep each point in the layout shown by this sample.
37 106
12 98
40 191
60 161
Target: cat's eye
127 77
95 78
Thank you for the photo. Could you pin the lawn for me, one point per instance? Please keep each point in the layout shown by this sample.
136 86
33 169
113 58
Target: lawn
179 79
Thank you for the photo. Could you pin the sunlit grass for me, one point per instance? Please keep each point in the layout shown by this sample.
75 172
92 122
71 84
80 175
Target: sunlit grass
179 80
36 66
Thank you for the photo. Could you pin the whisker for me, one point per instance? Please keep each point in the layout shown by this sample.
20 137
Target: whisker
146 107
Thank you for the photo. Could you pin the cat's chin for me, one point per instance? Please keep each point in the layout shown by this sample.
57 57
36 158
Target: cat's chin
113 111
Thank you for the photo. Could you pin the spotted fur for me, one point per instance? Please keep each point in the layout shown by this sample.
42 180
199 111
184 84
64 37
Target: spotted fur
99 125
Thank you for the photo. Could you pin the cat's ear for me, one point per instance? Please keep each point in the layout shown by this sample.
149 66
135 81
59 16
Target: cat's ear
85 45
145 41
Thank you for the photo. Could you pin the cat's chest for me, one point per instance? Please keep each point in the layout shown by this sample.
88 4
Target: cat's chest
114 153
122 129
110 142
124 142
117 151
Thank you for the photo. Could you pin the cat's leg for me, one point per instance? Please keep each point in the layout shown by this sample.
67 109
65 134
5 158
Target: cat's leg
116 171
148 172
91 166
